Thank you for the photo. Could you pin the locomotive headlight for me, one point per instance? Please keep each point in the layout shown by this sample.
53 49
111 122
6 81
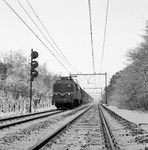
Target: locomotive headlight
68 93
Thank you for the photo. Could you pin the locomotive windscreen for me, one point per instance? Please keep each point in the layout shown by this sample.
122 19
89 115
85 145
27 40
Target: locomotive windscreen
62 88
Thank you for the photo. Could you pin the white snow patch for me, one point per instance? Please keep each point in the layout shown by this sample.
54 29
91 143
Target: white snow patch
9 114
133 116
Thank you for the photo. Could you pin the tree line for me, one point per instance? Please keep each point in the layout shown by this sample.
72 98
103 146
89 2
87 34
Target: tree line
128 88
15 81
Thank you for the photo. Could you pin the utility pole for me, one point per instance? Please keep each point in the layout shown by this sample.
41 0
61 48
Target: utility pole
106 87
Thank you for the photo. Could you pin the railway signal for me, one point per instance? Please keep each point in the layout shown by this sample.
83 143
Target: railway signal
33 72
34 64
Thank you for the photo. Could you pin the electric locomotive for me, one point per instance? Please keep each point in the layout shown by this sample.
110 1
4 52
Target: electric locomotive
68 94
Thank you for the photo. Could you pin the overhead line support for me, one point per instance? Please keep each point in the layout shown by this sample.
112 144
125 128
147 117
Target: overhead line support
88 74
75 75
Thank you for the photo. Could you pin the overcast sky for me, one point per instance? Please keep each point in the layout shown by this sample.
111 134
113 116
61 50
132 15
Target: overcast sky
67 22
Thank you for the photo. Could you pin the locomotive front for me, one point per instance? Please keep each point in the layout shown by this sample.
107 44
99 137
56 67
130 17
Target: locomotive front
63 91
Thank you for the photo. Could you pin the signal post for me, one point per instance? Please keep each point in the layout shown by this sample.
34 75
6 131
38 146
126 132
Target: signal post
33 72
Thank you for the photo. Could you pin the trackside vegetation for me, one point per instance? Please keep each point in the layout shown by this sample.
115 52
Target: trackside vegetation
15 81
128 88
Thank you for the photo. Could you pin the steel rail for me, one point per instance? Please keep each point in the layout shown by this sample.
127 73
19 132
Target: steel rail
25 115
47 139
27 120
112 147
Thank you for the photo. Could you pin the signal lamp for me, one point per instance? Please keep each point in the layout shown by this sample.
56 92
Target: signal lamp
34 64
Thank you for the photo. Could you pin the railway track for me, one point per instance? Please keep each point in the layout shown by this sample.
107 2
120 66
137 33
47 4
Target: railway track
83 128
129 136
83 132
11 121
25 135
95 129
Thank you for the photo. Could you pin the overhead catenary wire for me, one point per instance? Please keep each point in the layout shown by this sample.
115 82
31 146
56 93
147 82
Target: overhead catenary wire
50 36
66 61
91 34
104 39
36 35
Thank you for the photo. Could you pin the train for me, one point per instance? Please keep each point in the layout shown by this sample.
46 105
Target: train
68 94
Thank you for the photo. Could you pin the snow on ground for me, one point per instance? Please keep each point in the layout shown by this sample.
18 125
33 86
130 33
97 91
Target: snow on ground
133 116
9 114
